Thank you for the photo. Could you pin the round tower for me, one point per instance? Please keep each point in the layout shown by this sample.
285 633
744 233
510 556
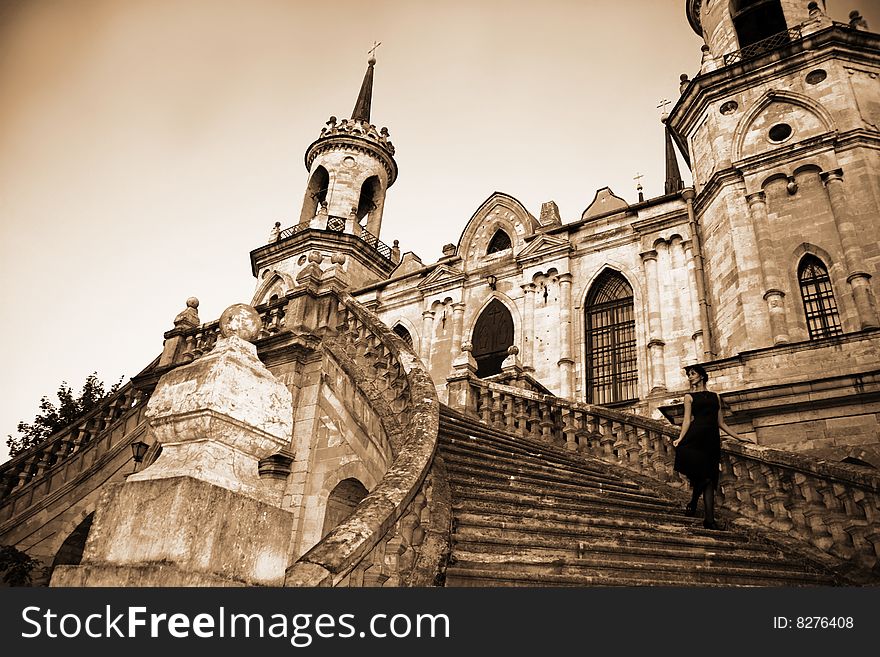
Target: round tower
731 25
351 166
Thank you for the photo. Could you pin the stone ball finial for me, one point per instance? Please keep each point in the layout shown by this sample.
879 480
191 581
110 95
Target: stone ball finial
337 258
192 302
467 346
371 61
316 257
240 320
512 350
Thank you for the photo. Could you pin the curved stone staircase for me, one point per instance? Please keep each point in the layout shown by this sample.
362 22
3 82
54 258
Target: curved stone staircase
527 514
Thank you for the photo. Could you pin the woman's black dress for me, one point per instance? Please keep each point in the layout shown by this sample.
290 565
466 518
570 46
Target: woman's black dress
699 452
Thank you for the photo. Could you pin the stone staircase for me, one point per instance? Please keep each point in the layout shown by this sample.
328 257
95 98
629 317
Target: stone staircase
528 514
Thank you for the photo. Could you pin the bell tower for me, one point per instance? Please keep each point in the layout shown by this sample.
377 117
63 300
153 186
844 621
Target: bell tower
781 127
351 166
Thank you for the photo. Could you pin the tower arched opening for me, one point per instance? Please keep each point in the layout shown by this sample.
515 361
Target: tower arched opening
369 203
755 20
316 194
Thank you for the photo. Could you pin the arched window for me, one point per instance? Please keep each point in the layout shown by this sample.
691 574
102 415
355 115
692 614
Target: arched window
400 329
341 502
820 308
493 334
612 371
500 242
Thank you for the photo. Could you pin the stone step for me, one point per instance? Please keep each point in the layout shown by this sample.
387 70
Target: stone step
568 573
550 507
497 547
485 479
511 461
478 441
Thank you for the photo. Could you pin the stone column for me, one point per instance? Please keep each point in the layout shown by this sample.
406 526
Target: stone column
655 328
688 195
427 336
529 327
697 336
457 329
773 295
854 259
566 360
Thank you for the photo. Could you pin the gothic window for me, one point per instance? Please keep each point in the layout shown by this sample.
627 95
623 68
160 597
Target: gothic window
755 20
612 370
500 242
371 195
493 334
820 308
400 329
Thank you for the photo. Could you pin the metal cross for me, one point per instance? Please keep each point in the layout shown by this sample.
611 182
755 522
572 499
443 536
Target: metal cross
372 50
663 104
638 178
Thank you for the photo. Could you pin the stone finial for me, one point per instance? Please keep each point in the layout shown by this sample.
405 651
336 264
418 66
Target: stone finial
275 233
189 317
856 21
315 257
467 347
395 251
449 250
512 350
550 214
683 82
242 321
337 258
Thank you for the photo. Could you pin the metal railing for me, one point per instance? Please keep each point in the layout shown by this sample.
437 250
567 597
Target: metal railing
763 46
337 225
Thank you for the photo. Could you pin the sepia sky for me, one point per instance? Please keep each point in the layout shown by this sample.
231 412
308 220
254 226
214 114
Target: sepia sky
147 146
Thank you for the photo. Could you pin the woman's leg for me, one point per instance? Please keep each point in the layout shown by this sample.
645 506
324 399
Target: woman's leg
691 509
709 504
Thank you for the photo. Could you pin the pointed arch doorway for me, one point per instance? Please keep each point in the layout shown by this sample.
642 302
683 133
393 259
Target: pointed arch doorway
493 334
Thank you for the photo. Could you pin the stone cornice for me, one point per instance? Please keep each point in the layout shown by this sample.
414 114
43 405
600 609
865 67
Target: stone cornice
352 142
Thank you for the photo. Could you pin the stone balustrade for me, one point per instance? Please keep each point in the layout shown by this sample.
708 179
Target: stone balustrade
397 532
42 469
833 507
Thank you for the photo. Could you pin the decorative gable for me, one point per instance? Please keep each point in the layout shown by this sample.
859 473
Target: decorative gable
604 201
543 248
442 278
498 212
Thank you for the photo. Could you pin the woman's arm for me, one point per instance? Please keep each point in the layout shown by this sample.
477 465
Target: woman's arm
723 425
686 422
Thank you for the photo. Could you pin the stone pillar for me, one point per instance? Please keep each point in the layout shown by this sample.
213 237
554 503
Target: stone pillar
688 195
185 320
208 511
566 360
528 354
457 329
655 327
427 336
697 336
854 259
773 295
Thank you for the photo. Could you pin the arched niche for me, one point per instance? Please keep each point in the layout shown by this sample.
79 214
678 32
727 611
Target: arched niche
343 499
492 336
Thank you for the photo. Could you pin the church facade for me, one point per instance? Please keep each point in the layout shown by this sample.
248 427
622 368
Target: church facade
765 270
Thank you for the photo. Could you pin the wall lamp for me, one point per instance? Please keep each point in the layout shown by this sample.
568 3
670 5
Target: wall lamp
492 279
138 451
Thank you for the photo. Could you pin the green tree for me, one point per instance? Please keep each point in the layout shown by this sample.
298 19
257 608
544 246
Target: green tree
17 567
52 418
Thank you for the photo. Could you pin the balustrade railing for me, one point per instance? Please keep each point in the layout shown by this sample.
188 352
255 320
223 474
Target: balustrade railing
834 507
337 225
398 514
119 412
763 46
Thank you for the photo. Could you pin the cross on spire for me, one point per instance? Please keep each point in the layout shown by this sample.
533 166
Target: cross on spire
638 178
372 51
663 104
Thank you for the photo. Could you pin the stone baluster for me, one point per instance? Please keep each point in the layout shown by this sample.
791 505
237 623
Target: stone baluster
569 429
534 421
522 418
497 410
655 327
546 422
606 441
485 409
858 279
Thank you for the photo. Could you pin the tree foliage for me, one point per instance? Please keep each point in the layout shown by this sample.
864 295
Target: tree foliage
17 567
52 417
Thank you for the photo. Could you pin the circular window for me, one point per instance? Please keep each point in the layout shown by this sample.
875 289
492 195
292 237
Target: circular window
815 77
779 132
729 107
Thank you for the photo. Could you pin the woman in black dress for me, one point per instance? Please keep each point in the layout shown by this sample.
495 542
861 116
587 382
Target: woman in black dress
698 448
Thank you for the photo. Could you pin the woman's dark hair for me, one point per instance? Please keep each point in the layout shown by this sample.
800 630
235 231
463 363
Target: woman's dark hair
699 369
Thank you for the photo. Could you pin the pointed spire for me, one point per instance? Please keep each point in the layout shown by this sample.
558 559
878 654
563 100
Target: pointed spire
674 183
361 111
